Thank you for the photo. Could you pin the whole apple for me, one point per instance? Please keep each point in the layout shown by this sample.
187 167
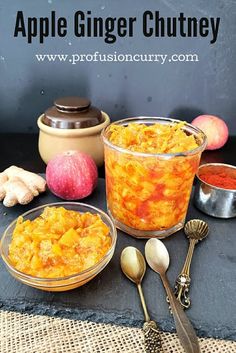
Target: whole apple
215 129
72 175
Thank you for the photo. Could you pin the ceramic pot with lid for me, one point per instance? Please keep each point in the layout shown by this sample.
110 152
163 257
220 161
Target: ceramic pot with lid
72 124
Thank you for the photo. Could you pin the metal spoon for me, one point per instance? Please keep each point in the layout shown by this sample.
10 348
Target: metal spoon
158 259
133 266
195 230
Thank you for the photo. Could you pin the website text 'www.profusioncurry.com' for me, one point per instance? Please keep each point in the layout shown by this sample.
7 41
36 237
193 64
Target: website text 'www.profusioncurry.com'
116 57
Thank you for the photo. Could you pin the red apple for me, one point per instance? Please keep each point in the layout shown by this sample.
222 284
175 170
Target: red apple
215 129
72 175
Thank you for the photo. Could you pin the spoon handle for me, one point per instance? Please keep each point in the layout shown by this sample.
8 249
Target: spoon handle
140 291
182 284
184 328
152 337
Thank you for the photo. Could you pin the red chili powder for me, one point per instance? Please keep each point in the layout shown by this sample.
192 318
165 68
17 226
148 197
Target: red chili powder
222 180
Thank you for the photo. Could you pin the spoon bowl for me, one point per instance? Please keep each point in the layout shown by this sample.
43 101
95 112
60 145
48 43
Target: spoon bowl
133 264
196 229
157 255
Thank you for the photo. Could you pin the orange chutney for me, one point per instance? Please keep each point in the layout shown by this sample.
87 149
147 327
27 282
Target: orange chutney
59 243
149 192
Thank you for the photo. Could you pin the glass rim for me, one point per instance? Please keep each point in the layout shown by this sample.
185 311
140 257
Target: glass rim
70 277
195 129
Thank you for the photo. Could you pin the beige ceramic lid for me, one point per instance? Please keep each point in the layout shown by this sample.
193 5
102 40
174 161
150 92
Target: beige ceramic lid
72 113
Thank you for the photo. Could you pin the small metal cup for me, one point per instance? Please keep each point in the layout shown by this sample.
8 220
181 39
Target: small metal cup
212 200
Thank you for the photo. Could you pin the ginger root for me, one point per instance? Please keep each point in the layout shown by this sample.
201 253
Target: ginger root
19 186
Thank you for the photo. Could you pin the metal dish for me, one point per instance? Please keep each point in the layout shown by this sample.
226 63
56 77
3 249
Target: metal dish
62 283
213 200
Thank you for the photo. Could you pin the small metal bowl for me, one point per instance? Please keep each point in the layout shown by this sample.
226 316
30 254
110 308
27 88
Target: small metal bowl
213 200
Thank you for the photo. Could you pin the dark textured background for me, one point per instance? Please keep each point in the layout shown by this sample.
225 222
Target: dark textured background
182 90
